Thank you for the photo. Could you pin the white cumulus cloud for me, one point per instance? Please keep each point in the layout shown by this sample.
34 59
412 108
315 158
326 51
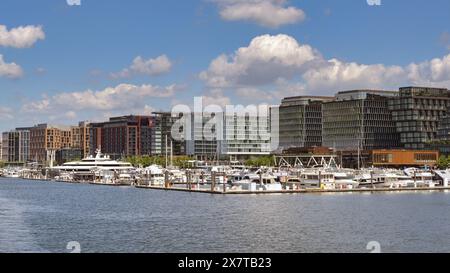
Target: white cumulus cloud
267 13
20 37
150 67
273 66
266 59
10 70
125 97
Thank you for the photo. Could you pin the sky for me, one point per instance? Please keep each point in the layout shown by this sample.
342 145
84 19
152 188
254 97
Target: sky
62 63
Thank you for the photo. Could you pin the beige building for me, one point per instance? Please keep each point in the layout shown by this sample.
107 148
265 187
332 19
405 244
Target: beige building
45 139
80 138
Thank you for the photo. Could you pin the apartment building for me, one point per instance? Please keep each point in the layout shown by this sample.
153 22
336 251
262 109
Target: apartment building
417 112
46 139
122 136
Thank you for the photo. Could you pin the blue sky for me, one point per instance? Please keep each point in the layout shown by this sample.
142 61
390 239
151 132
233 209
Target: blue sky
401 42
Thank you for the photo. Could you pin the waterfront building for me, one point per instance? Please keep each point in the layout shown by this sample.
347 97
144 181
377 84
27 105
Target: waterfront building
444 127
417 112
199 146
245 135
81 138
300 121
122 136
16 145
46 139
359 120
162 131
404 158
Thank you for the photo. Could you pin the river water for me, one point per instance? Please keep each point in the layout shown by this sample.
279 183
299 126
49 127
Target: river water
46 216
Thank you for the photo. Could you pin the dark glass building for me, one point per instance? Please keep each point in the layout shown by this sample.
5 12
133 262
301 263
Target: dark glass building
417 112
300 121
359 119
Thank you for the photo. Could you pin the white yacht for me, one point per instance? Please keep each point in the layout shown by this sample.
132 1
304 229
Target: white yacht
252 182
420 177
11 173
153 175
90 163
96 168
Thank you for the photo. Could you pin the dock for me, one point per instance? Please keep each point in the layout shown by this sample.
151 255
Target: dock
300 191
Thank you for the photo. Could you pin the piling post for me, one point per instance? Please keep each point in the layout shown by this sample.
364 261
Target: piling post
213 180
371 178
166 179
224 182
189 179
320 179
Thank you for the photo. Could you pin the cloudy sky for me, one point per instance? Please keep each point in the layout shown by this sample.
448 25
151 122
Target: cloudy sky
62 64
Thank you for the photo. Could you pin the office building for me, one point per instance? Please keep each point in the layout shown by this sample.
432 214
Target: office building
300 121
359 120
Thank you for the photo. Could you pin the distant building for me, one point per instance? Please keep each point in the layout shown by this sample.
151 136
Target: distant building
245 136
16 145
417 112
359 119
444 127
46 139
199 146
404 158
68 154
122 136
81 138
300 121
162 131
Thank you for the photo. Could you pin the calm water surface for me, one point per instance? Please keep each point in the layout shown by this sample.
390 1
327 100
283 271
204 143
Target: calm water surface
45 216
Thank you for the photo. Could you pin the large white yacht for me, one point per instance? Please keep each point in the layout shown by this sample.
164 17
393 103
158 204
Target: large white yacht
91 163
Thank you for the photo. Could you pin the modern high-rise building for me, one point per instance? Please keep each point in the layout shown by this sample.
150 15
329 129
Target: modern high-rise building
162 131
444 127
417 112
46 139
16 145
359 119
300 121
245 135
122 136
200 145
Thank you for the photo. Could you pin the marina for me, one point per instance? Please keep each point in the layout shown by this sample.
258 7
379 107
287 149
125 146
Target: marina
237 178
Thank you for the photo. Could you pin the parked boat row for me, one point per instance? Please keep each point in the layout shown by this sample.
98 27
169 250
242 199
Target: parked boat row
101 169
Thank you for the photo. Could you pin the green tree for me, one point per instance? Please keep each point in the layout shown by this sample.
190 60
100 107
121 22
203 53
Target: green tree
443 162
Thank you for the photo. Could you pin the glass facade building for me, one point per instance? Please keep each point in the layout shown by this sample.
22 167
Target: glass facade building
359 119
417 112
300 121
